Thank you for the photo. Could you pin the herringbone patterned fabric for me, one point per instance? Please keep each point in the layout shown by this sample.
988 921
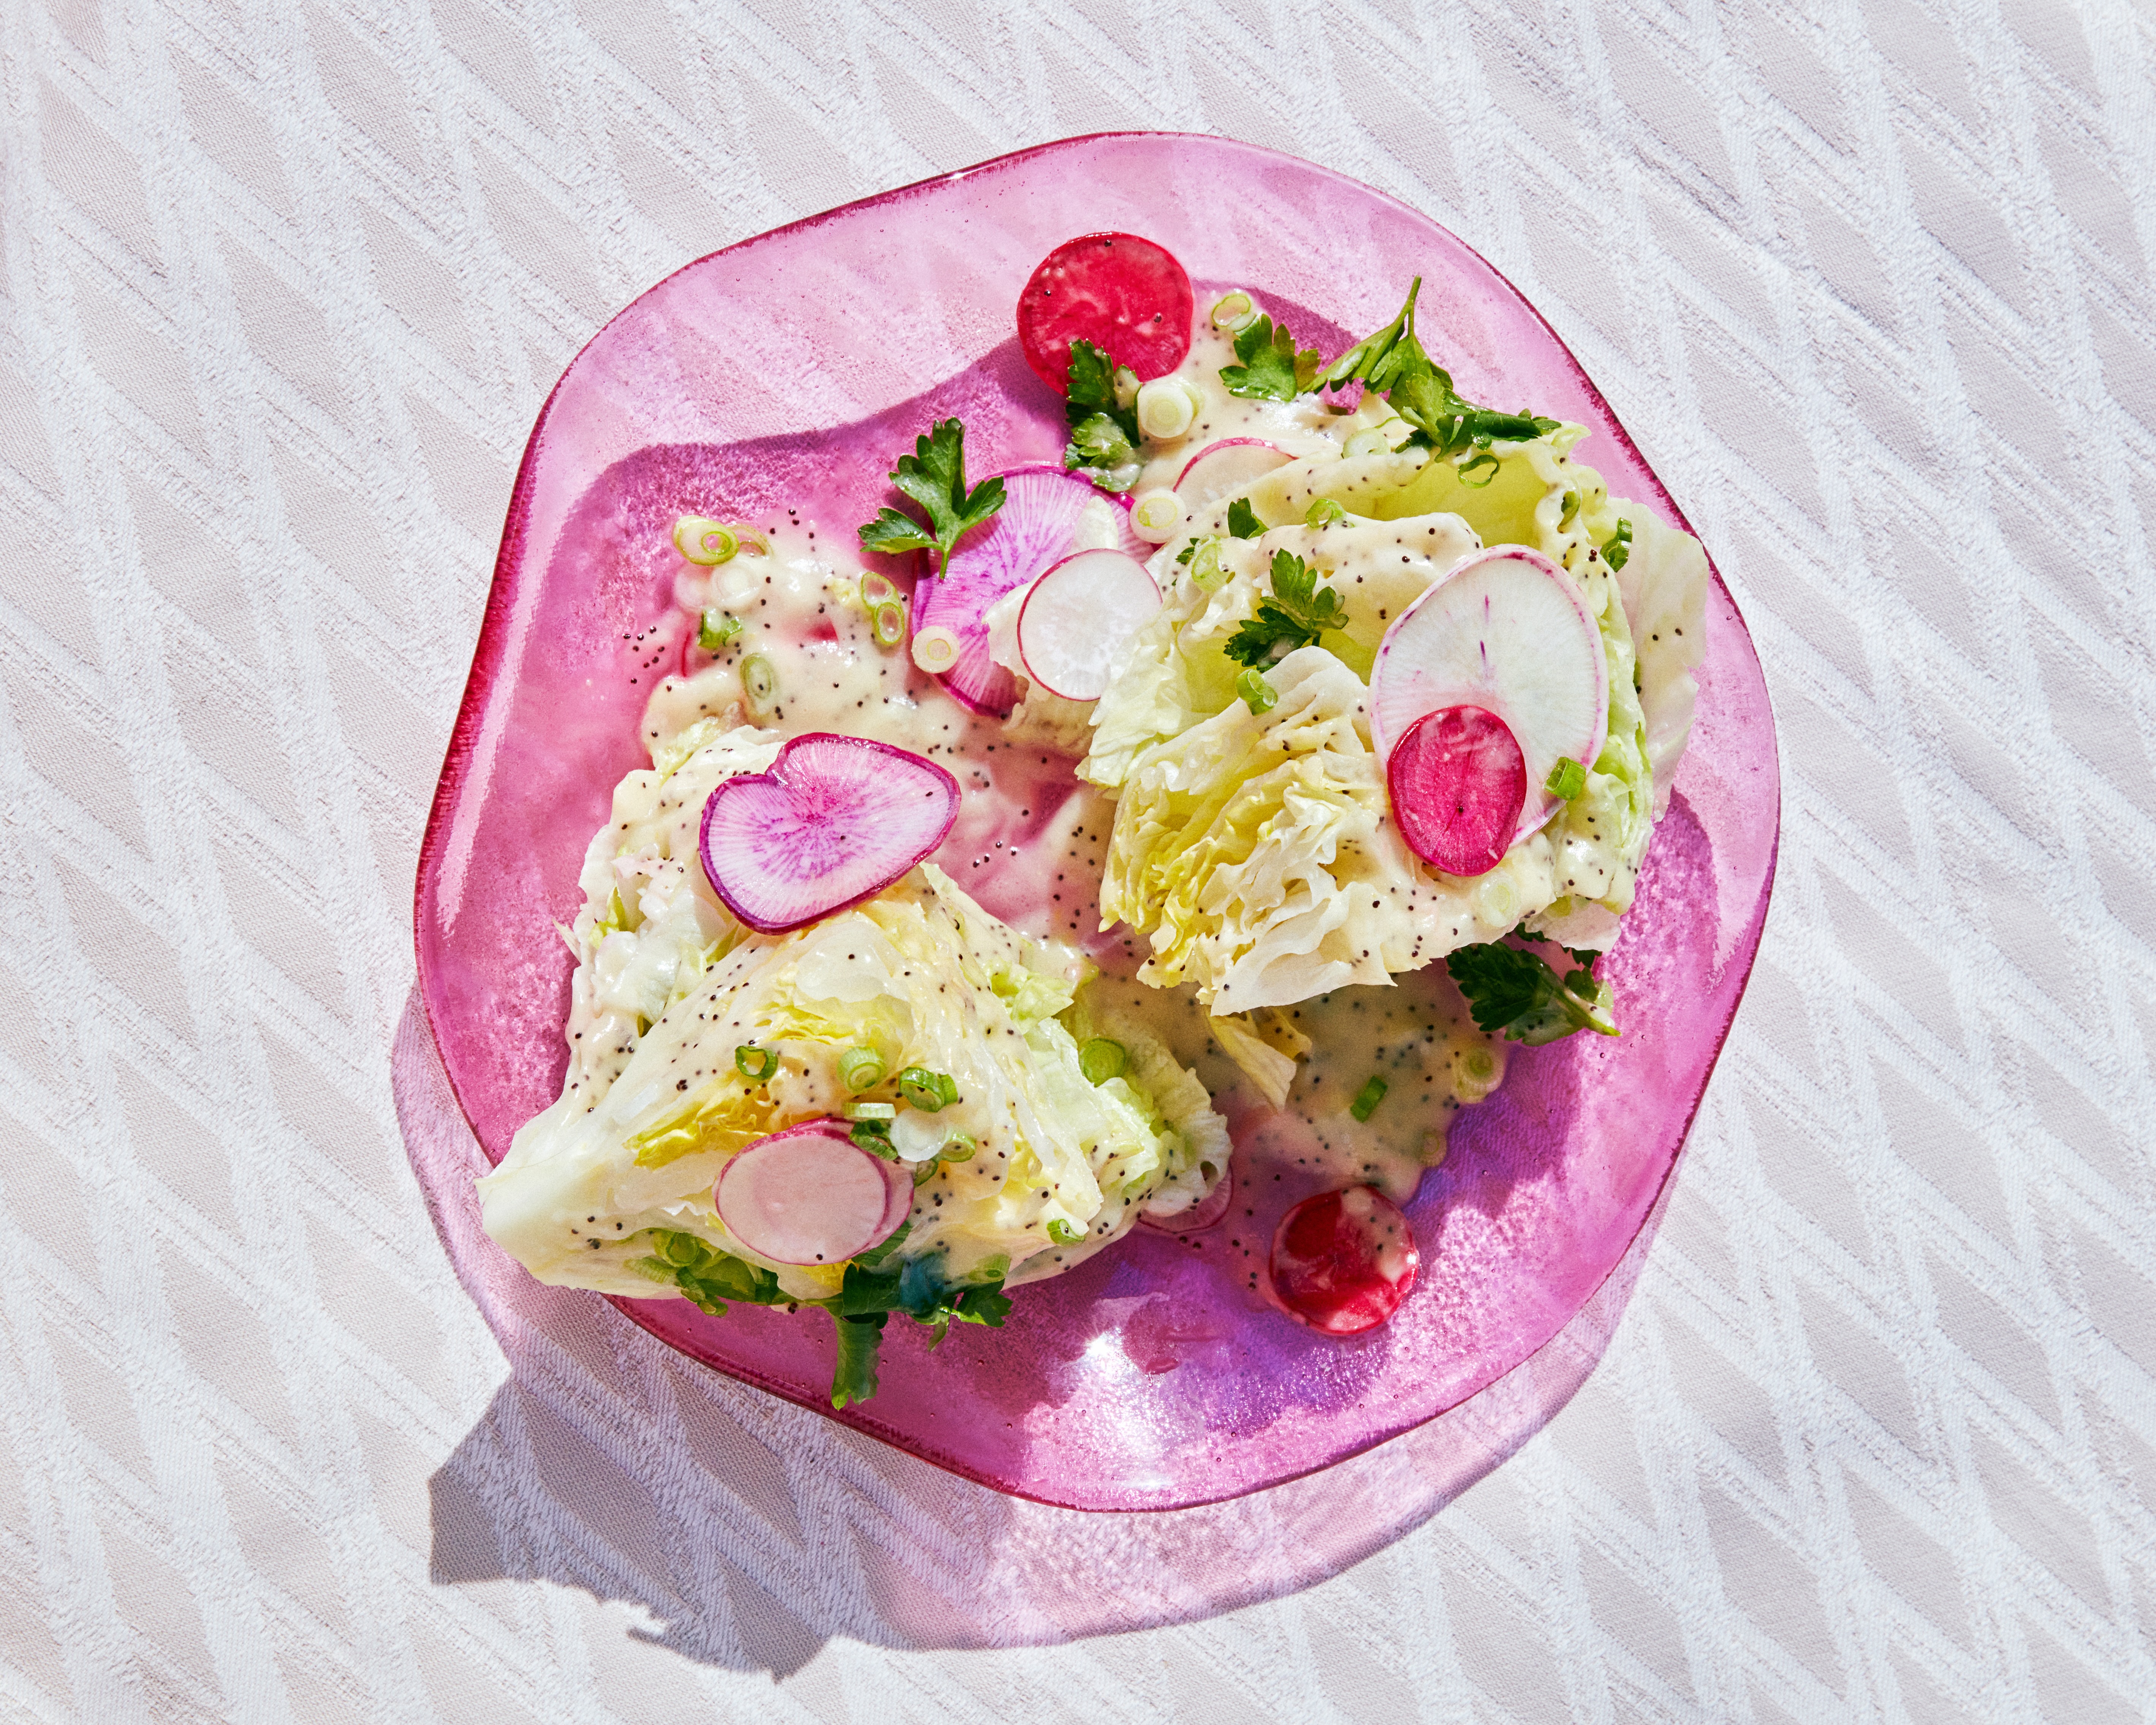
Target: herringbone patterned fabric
282 288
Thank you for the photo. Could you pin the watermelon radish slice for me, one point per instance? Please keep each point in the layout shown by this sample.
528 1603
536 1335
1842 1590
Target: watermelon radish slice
1044 508
1458 784
811 1195
1079 617
1127 295
1507 631
1221 470
835 821
1343 1261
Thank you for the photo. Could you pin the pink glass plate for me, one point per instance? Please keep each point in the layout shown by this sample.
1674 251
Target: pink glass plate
787 371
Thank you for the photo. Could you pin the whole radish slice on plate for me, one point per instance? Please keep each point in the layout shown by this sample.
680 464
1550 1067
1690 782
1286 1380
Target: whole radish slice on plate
811 1195
1221 470
1343 1261
1506 632
1125 295
1078 619
1458 784
1043 511
835 820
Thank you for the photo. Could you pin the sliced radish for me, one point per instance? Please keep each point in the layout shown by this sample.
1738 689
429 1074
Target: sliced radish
1078 617
1043 511
1458 784
811 1195
1508 632
1127 295
835 820
1221 470
1343 1261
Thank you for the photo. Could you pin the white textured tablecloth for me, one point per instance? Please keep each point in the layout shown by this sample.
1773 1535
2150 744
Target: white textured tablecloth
281 289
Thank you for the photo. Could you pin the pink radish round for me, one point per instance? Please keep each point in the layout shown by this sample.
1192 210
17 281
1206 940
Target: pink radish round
1458 783
1043 509
1343 1261
811 1195
1127 295
835 821
1221 470
1507 631
1078 617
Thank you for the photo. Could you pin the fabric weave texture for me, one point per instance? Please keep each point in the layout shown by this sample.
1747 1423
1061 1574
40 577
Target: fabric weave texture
282 289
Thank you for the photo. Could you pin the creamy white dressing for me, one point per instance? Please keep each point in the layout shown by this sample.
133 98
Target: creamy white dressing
1033 839
1031 844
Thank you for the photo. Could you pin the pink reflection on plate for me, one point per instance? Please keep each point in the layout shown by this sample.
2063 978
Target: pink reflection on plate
716 393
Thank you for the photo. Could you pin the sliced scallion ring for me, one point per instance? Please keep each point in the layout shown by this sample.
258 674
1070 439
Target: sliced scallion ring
862 1068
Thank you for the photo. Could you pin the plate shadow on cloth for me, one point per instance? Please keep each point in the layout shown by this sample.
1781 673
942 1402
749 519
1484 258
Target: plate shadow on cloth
749 1531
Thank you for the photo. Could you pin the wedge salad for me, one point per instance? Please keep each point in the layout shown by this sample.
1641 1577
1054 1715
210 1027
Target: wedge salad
1322 718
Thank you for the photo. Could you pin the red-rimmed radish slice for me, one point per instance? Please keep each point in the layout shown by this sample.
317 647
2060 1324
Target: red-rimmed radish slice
1343 1261
1043 511
811 1195
1221 470
1458 784
835 821
1078 617
1509 631
1127 295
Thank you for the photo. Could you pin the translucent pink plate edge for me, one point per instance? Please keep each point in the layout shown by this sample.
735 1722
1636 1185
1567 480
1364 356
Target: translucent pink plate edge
489 662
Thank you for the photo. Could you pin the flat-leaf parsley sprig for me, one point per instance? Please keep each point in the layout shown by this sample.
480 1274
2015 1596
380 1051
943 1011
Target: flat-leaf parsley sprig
1392 362
1519 995
1104 427
934 477
1298 612
1271 368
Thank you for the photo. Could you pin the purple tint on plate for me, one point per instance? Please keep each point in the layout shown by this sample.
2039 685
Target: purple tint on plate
716 393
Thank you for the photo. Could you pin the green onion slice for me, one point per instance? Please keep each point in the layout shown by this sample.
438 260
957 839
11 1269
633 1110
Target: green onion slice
756 1064
926 1091
715 631
759 681
705 541
1367 1099
1101 1060
1567 779
860 1068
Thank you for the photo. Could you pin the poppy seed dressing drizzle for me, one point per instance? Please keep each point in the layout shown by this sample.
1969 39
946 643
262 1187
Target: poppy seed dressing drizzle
1030 842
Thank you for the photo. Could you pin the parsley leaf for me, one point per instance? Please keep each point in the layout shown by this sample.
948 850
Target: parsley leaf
934 477
867 1297
874 1289
1272 369
707 1276
1392 363
1517 993
1243 522
860 1340
1298 612
1585 956
1104 435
